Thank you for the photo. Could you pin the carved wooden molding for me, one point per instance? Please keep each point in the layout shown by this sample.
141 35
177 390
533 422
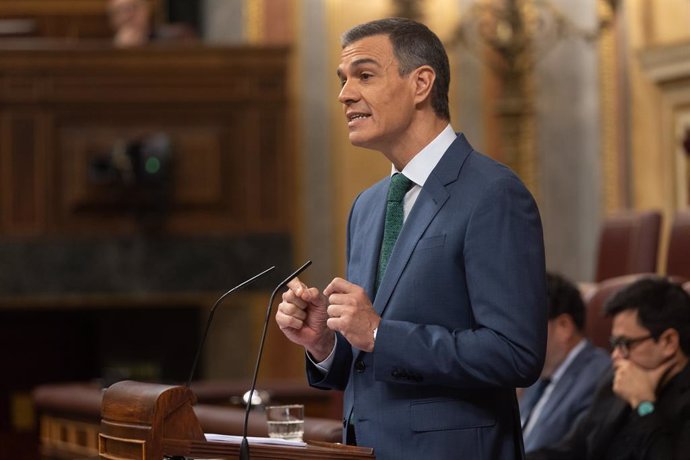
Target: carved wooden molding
666 63
668 66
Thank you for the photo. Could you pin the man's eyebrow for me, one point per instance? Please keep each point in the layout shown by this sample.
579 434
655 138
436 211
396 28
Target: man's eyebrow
362 61
358 62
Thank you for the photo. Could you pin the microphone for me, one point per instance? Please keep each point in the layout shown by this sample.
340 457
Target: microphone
244 447
210 318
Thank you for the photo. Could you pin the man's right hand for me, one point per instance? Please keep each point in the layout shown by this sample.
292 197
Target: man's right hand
635 384
302 317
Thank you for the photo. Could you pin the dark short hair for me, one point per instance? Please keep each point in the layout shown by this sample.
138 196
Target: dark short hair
660 304
564 297
414 45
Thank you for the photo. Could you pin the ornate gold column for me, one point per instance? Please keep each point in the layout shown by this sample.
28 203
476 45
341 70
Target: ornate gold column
502 35
612 120
515 104
509 36
254 20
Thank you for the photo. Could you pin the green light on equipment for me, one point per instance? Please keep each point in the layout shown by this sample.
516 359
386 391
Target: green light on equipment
152 165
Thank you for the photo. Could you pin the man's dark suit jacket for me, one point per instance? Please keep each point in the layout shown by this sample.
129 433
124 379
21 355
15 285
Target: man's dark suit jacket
662 435
463 307
571 397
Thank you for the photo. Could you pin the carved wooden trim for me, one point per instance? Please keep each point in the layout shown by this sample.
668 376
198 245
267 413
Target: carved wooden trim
668 66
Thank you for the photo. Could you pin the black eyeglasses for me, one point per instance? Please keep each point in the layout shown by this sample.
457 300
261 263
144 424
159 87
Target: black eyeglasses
626 344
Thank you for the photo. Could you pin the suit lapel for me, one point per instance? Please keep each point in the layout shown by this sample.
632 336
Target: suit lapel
374 220
563 387
431 199
559 392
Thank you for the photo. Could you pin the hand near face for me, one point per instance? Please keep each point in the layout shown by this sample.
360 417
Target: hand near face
634 383
302 316
351 313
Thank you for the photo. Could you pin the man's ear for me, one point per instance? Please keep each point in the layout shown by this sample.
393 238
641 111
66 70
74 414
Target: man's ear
423 79
566 325
670 339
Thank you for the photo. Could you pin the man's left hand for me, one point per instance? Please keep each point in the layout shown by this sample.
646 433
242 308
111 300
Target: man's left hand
351 313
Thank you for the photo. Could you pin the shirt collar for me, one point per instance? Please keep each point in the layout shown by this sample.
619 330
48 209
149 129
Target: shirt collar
558 373
420 166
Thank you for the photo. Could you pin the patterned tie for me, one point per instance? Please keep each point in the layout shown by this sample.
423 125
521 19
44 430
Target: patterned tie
394 220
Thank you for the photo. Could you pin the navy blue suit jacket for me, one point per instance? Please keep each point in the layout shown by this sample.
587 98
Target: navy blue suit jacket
463 308
571 397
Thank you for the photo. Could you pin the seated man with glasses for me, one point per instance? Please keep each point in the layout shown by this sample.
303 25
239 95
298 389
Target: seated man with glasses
642 411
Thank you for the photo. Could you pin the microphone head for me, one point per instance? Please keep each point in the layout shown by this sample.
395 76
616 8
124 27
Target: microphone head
259 398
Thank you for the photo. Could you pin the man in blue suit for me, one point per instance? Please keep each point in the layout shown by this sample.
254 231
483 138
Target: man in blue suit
429 336
572 371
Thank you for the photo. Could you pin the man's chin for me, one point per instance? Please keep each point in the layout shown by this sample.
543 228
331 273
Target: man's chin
358 140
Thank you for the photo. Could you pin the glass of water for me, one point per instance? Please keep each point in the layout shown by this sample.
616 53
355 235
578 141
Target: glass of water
286 422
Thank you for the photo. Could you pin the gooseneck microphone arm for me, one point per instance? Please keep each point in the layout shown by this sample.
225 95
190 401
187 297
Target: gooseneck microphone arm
244 447
210 319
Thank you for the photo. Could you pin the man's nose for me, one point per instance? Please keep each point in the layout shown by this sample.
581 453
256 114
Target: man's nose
347 94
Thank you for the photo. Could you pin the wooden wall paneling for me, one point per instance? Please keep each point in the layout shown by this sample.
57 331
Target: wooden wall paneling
198 170
40 7
235 181
60 18
252 164
235 154
79 27
61 105
199 175
224 108
25 203
24 166
5 176
240 147
275 168
197 157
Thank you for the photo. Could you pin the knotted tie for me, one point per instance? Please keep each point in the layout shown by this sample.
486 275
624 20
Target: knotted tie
539 389
394 220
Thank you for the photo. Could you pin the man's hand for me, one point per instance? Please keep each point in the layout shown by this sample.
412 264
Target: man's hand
302 317
636 384
351 313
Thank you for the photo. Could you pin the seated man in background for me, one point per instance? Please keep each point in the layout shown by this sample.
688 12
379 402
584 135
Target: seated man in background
643 409
132 24
572 370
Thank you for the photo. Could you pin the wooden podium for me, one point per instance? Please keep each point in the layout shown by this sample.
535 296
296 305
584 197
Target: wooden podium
147 421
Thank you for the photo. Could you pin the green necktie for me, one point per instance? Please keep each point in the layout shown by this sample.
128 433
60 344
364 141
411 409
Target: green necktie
394 220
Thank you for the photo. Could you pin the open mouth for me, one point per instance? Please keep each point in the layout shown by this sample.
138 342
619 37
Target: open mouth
351 117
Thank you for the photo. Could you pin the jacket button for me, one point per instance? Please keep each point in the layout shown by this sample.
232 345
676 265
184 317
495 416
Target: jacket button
360 366
344 422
